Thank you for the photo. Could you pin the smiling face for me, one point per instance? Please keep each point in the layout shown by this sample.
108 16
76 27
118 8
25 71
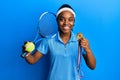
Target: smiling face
65 22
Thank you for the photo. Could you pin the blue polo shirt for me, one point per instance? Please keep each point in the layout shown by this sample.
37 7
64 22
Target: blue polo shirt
62 57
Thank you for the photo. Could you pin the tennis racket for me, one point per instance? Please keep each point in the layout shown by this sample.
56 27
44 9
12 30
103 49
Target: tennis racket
47 27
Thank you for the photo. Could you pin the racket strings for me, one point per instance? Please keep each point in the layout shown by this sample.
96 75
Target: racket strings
47 26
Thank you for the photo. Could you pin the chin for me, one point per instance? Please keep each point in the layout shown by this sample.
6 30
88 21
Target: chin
65 31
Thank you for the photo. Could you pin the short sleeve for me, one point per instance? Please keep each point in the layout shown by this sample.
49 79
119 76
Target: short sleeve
43 46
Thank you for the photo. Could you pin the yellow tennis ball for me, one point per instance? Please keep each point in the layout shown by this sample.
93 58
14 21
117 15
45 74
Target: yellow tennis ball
29 46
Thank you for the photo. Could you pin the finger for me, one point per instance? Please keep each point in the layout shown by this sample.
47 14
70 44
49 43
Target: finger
25 42
83 44
83 41
23 47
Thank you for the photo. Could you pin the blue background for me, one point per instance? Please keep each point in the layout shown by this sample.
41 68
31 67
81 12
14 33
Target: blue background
98 20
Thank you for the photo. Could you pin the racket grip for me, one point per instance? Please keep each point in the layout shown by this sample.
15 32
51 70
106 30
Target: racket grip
24 54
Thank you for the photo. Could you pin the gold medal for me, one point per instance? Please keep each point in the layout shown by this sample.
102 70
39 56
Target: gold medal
79 36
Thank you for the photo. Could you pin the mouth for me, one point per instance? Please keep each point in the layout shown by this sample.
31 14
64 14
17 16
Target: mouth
66 27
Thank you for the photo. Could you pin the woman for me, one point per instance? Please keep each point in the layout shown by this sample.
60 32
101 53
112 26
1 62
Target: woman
62 49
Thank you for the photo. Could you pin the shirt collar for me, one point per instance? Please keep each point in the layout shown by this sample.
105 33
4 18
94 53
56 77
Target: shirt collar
72 38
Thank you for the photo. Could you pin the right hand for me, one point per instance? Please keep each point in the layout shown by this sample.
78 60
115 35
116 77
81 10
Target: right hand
24 48
28 47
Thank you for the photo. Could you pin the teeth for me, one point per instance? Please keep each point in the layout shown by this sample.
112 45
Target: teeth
66 27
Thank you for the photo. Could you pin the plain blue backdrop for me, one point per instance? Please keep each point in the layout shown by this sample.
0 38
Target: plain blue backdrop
98 20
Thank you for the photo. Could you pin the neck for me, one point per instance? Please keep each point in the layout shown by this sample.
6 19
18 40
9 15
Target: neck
65 37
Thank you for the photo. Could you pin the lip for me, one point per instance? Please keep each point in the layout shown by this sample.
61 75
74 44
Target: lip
66 27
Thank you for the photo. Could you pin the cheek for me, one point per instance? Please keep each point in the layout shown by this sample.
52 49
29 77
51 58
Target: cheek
72 24
60 24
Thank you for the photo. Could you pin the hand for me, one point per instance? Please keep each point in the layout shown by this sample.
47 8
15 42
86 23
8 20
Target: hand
28 47
23 47
85 44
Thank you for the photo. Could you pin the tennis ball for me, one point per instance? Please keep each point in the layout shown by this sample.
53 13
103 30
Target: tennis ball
79 36
29 46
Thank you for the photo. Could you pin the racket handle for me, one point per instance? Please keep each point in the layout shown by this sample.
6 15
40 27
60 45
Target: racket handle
24 54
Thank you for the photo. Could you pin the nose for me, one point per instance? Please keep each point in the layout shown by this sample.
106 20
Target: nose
66 22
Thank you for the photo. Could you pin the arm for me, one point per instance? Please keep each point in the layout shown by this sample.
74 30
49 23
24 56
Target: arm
33 58
89 57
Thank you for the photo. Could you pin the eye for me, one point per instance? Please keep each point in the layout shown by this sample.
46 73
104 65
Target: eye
61 19
71 19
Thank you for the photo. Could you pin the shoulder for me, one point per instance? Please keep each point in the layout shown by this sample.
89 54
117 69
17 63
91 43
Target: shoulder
50 38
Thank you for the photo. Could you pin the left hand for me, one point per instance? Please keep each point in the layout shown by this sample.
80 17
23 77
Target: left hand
85 44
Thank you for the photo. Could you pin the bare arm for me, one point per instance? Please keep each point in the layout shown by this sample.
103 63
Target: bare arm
89 57
33 58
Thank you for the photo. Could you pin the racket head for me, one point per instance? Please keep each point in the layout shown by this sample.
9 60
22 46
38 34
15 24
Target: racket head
47 24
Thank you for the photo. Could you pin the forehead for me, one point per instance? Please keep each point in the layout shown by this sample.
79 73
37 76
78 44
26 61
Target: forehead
66 14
